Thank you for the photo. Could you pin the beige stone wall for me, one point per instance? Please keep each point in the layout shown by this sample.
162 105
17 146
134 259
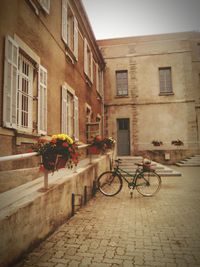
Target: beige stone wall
154 116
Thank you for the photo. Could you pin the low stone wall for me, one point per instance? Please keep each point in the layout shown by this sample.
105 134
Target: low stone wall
15 178
168 157
29 214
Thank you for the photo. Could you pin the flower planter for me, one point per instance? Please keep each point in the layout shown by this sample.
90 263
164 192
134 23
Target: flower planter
94 150
60 162
53 161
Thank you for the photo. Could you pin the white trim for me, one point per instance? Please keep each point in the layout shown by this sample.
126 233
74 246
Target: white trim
45 4
27 49
42 100
69 88
10 86
64 21
76 118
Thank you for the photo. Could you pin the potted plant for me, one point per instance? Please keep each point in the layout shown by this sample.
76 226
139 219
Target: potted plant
109 142
157 143
97 145
177 142
57 152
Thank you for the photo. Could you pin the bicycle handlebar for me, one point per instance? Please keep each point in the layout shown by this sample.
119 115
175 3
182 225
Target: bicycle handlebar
118 161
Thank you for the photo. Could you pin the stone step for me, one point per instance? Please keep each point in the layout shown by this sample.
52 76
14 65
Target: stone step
128 165
192 161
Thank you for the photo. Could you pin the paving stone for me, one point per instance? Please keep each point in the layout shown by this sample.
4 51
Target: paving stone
140 232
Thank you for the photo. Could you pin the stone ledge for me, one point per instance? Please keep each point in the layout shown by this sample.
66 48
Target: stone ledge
28 214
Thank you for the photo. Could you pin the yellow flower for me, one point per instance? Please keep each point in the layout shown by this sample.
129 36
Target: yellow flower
63 137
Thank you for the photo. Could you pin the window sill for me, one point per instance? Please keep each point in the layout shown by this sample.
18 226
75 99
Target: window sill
70 55
166 94
122 96
88 81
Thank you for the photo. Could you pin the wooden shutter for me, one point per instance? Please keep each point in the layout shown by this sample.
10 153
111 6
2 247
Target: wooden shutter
64 110
97 77
92 69
64 21
76 118
101 83
85 57
76 38
42 100
45 4
168 80
10 83
162 80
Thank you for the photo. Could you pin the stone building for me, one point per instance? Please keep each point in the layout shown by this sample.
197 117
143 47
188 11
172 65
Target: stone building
152 94
51 73
51 76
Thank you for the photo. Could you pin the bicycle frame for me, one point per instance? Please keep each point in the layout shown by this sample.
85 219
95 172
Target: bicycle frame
122 172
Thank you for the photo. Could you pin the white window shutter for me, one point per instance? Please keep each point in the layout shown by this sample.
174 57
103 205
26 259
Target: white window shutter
92 69
101 88
64 110
97 77
42 100
10 83
64 21
76 118
85 57
45 4
76 38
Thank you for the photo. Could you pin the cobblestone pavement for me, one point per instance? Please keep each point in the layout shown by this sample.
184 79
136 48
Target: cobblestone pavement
163 230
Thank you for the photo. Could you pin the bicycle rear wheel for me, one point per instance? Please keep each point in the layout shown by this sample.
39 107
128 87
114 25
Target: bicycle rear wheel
109 183
148 183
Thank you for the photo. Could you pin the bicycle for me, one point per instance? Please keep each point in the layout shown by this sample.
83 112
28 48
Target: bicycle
145 180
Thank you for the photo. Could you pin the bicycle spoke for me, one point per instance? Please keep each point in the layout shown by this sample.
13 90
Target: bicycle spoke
148 183
109 184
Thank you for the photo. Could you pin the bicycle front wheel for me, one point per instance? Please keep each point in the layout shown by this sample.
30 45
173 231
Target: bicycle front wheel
148 183
109 183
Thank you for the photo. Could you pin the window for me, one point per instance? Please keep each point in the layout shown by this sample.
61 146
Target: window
88 113
165 80
198 50
99 80
122 82
70 118
24 93
69 28
88 61
18 90
45 4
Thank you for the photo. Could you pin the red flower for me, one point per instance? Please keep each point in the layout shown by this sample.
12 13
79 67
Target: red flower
98 138
65 144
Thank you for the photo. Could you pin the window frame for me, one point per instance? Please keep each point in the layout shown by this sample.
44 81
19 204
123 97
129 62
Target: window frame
88 61
69 120
119 83
198 50
69 29
24 99
10 95
166 79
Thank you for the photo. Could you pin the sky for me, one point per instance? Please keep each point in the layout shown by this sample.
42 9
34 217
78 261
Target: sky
122 18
